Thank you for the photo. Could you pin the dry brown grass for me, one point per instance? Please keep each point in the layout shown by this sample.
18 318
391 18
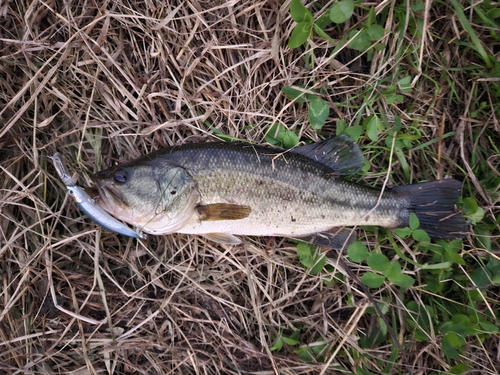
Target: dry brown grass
108 82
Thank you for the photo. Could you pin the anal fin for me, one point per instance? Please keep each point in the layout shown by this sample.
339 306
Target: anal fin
335 238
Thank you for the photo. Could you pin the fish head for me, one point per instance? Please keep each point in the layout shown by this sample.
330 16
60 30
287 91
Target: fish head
157 199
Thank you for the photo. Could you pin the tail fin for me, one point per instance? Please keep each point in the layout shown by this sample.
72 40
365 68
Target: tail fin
434 204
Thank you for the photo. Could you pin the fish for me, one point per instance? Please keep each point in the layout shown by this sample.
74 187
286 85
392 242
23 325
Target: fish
224 190
88 204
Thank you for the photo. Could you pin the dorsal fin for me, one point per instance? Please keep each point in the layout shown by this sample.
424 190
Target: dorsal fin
340 153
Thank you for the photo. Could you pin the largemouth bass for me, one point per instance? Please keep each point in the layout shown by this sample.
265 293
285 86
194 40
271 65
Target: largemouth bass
220 190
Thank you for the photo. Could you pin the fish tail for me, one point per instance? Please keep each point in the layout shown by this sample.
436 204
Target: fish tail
434 204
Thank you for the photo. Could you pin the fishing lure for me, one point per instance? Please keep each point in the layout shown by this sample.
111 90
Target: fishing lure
88 204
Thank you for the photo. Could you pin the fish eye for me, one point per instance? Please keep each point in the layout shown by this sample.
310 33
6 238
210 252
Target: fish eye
120 176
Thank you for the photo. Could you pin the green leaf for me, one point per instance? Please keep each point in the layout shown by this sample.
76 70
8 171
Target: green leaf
275 134
322 34
305 253
493 13
420 235
323 21
469 205
477 216
455 340
300 13
402 280
319 263
357 251
360 42
393 270
496 279
448 350
295 335
433 285
372 124
488 327
418 7
372 280
481 277
354 131
342 11
290 341
382 325
403 232
475 295
318 347
290 139
300 34
390 98
397 123
361 371
278 135
459 324
459 368
341 126
414 222
294 94
318 112
375 32
372 15
451 341
278 345
452 250
304 354
470 31
421 321
493 265
309 259
374 335
460 319
483 237
378 262
405 84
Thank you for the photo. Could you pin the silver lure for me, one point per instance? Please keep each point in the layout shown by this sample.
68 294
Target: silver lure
87 204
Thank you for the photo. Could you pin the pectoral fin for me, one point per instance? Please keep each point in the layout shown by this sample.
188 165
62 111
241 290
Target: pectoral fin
224 238
222 211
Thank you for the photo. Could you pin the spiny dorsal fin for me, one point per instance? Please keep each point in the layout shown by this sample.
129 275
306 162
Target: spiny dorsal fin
223 211
340 153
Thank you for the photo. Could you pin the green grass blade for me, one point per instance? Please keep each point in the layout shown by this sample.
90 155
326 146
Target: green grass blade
473 36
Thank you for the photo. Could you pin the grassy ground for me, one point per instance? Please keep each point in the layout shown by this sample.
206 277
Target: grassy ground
416 83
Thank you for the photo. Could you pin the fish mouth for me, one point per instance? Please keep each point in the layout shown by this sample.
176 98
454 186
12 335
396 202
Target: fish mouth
109 196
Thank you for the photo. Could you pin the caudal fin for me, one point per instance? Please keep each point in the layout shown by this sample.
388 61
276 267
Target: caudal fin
434 204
